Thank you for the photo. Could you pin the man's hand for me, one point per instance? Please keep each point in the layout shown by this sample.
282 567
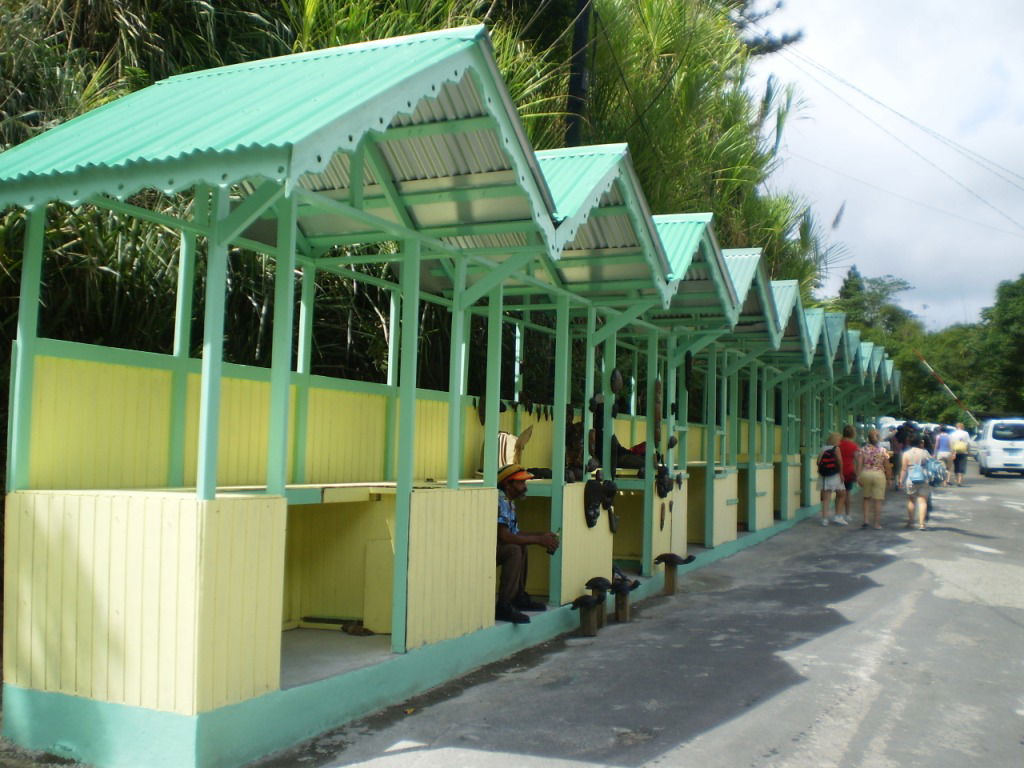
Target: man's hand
549 541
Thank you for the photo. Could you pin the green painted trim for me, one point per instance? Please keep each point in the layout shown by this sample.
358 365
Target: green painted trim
752 432
563 366
608 364
281 349
213 354
19 457
183 340
406 441
304 356
710 420
588 381
391 405
492 383
456 362
99 732
647 544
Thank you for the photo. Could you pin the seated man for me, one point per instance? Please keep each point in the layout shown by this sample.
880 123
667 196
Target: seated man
512 543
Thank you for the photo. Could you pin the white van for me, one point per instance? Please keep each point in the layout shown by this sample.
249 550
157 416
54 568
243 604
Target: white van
1000 446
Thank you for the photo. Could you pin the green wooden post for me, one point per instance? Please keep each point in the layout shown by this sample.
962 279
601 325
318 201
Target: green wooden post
633 400
711 420
652 427
183 339
610 350
671 376
303 363
281 351
563 360
517 366
213 351
410 287
684 419
456 360
19 446
588 381
733 420
753 426
785 403
492 384
390 407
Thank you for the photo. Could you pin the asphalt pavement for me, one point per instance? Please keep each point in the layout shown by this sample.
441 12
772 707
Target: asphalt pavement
823 646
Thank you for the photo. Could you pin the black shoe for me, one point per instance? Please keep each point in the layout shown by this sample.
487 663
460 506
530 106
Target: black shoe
505 612
525 603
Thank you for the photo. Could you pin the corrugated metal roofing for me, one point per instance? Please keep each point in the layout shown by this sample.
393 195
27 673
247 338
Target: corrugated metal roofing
742 266
867 348
786 293
835 327
578 176
815 325
285 118
681 234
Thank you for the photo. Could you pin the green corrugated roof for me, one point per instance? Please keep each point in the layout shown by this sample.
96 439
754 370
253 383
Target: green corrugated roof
742 265
681 234
785 293
576 174
275 118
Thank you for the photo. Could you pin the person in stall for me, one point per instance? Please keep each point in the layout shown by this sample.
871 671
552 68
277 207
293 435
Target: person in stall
513 599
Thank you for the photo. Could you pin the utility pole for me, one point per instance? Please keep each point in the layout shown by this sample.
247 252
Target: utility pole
948 390
576 102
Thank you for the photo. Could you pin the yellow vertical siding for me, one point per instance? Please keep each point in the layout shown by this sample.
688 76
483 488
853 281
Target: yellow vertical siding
696 488
695 442
741 444
535 515
244 429
431 453
628 542
327 553
134 598
97 425
240 573
777 440
586 552
725 513
795 492
472 440
345 437
623 426
451 564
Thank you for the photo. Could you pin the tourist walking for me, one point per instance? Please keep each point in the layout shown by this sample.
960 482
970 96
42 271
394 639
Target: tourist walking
872 470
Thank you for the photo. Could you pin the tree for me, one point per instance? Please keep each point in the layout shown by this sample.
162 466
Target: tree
1004 347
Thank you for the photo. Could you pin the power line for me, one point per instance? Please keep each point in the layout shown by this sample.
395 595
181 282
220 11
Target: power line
907 146
989 165
944 212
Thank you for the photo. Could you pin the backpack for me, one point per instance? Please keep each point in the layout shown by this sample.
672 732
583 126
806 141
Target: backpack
915 474
935 471
828 463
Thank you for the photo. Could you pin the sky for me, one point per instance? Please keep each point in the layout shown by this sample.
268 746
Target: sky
915 207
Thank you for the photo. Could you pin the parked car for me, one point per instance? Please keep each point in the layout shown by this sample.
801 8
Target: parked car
1000 446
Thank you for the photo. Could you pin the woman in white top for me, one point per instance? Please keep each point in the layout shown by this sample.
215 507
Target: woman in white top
917 492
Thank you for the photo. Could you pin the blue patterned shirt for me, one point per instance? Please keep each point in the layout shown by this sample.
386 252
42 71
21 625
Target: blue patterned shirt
507 513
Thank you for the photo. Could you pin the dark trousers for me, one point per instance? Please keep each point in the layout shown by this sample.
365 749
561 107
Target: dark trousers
512 582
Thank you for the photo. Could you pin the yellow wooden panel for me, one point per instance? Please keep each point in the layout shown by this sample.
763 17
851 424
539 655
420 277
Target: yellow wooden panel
451 563
725 513
235 532
431 452
628 542
345 438
586 552
535 515
794 483
696 485
741 444
97 425
695 442
777 437
325 574
101 603
378 585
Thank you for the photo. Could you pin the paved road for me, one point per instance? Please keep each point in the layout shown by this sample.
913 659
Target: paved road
821 647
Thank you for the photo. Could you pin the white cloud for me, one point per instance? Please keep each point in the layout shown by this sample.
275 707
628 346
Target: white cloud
953 67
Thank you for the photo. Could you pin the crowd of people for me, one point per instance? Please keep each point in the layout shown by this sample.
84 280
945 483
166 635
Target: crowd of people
899 465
